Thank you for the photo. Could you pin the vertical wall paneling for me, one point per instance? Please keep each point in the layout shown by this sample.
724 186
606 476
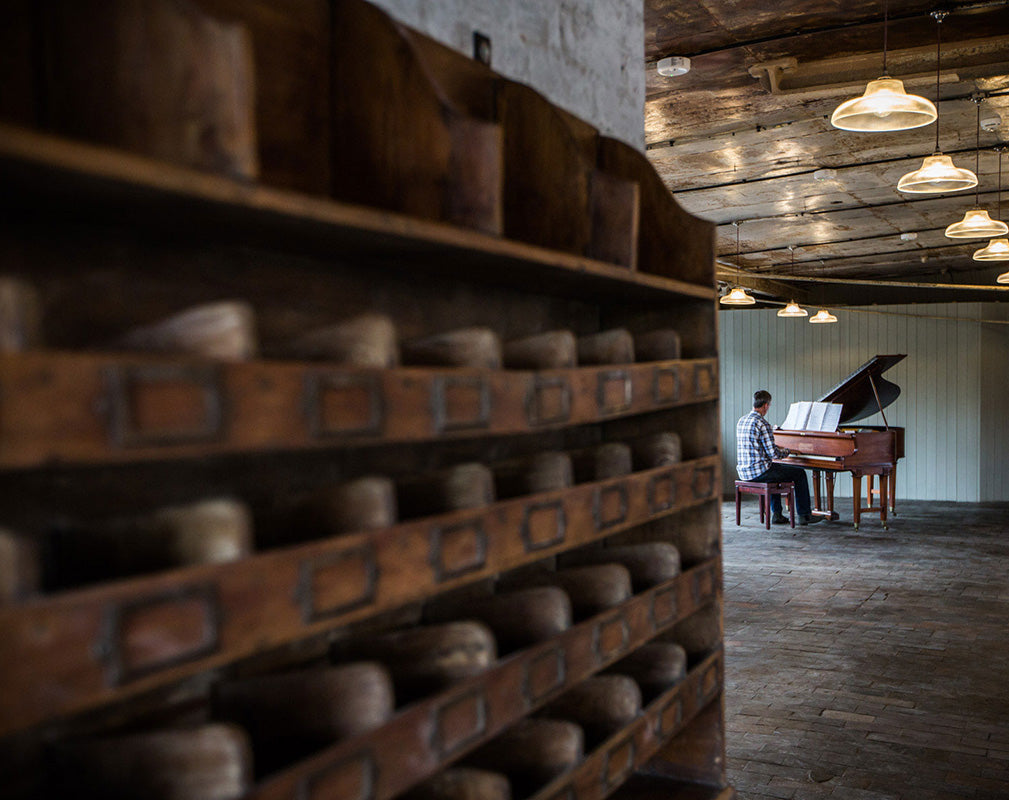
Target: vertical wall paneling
954 402
993 357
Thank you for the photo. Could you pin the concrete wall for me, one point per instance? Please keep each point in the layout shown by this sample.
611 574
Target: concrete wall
953 403
586 56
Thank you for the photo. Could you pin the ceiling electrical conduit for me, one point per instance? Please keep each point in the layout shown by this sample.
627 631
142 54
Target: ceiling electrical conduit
778 276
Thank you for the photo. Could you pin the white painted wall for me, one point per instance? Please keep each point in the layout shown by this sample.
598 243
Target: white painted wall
954 402
586 56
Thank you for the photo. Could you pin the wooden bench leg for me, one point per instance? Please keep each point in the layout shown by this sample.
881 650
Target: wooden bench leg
765 505
791 506
738 497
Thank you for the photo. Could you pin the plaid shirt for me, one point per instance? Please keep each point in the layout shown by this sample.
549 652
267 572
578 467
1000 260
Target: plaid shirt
755 446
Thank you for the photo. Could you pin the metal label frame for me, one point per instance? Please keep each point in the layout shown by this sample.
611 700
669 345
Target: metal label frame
109 647
122 379
316 386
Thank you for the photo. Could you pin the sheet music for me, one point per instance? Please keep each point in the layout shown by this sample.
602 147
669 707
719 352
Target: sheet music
832 416
812 416
816 414
798 414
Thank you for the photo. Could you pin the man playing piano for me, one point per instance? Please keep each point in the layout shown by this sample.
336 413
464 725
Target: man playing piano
755 454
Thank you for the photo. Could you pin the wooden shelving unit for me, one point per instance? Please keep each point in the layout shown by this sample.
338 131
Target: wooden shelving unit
89 433
55 173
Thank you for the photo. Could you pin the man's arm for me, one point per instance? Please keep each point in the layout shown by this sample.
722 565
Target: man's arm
766 440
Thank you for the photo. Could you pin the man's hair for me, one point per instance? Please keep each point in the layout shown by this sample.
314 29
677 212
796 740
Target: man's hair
761 397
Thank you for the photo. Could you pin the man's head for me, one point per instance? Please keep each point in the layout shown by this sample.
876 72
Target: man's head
761 401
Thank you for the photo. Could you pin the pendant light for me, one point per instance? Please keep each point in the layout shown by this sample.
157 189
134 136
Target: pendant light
738 295
793 309
976 224
938 173
885 106
821 316
997 249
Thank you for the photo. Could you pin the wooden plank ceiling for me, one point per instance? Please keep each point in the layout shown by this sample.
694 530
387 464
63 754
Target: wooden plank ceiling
731 149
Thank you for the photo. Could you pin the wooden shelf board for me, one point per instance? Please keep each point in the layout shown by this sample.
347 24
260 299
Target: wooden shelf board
82 648
611 764
81 408
653 787
513 688
90 180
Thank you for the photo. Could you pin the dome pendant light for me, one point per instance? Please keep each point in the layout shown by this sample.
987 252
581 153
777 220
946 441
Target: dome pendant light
885 106
997 249
976 224
793 309
937 173
821 316
738 295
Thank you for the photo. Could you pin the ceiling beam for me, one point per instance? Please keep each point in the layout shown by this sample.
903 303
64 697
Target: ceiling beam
973 7
826 165
771 288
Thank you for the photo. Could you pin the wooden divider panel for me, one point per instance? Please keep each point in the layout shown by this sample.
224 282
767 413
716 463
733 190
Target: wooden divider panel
671 241
415 151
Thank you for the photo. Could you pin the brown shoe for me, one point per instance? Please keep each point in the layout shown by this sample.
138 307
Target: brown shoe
810 519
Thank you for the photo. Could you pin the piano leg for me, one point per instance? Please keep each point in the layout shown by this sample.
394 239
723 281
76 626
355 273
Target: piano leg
884 484
893 491
856 480
831 514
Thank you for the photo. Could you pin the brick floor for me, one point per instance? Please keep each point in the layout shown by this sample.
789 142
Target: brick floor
869 665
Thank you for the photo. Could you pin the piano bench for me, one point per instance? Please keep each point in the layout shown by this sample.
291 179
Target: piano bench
764 491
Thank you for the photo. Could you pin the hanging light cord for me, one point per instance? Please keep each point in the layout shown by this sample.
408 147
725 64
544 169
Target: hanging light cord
977 153
739 272
938 16
885 19
998 194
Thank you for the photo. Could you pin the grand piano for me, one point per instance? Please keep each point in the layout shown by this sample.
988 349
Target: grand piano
861 450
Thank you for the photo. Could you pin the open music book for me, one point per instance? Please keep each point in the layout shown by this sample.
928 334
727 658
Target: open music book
812 416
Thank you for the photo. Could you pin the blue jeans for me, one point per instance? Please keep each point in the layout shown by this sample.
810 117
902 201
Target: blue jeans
797 475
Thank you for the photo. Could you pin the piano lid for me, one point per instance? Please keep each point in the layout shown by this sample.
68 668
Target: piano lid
855 393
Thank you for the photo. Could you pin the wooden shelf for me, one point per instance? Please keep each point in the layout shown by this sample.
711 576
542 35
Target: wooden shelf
112 641
613 762
111 240
45 172
432 734
124 408
653 787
